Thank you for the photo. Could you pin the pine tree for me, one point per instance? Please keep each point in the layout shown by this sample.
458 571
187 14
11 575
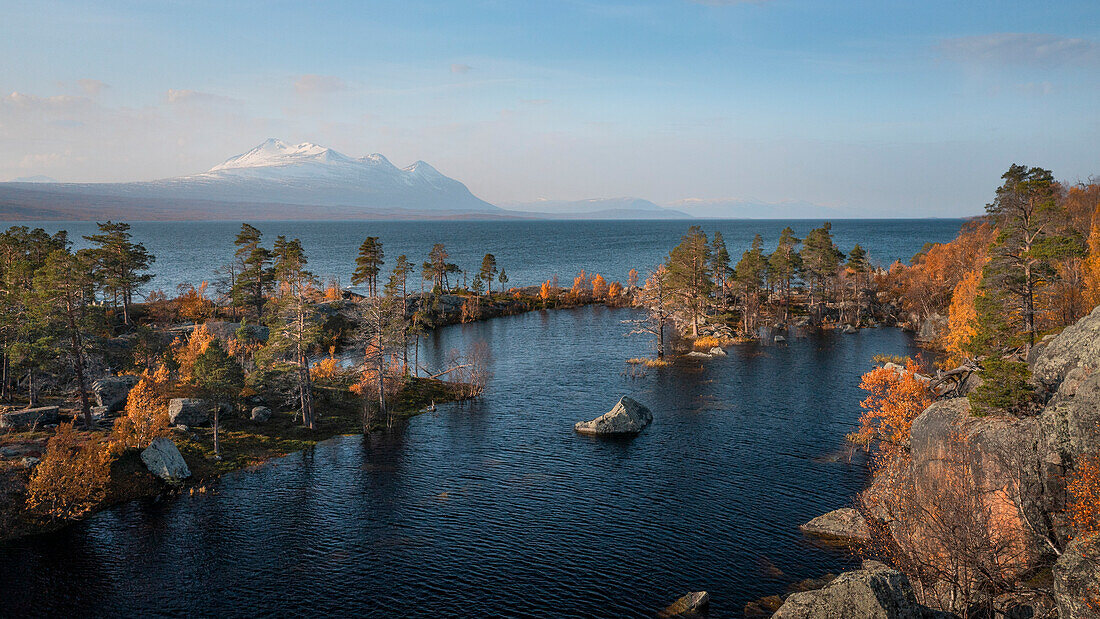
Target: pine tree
719 263
821 260
369 265
118 264
296 330
783 266
436 268
62 291
253 272
219 378
689 281
488 271
1031 239
503 279
749 274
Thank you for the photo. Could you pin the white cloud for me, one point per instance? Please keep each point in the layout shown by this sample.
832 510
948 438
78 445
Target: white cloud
1015 48
194 97
312 84
461 68
91 87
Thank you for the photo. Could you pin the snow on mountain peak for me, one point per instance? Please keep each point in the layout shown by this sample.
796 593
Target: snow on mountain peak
275 152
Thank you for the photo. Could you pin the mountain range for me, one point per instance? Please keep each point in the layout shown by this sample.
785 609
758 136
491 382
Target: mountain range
278 180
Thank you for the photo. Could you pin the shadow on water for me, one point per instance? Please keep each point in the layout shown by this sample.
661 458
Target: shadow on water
497 507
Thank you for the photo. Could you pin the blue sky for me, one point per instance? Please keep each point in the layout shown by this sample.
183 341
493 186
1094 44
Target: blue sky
874 108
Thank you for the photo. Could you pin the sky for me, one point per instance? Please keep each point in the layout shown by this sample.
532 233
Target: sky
874 108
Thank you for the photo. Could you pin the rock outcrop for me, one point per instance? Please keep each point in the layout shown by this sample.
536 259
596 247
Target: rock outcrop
28 418
687 606
1076 346
188 411
845 525
874 592
1077 579
261 414
627 417
164 460
111 391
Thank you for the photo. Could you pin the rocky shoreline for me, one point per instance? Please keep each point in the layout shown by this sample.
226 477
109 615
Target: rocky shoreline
1020 465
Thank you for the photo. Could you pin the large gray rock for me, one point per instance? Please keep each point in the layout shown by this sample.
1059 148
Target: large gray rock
164 460
112 391
842 525
261 414
188 411
627 417
1077 579
1076 346
28 418
874 592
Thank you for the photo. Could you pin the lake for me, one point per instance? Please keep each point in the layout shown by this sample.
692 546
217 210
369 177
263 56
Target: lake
530 251
496 507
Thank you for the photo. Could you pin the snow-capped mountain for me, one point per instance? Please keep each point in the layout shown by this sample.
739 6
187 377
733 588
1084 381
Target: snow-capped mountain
323 182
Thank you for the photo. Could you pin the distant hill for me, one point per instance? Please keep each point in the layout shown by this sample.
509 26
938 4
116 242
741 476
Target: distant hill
275 180
756 209
596 208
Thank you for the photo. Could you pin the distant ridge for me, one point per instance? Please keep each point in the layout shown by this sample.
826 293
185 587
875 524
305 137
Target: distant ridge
276 180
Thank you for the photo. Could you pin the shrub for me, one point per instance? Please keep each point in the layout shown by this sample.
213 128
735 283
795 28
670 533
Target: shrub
71 479
1004 387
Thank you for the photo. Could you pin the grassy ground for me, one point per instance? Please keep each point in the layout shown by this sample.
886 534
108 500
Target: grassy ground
244 443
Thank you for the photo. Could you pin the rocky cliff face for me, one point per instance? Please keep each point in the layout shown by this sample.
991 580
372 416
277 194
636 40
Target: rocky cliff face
1021 463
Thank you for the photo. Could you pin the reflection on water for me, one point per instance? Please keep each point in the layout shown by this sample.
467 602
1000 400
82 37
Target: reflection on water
496 507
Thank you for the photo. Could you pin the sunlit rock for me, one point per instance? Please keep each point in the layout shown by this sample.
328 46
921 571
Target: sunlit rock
628 417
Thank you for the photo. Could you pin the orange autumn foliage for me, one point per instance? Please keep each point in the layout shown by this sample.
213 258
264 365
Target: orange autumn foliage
1083 491
146 410
581 284
615 290
544 292
72 477
962 317
926 287
327 368
186 352
193 304
896 397
1092 263
599 286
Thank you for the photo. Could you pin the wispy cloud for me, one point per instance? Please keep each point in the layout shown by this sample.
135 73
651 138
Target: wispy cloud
193 97
461 68
91 87
1016 48
312 84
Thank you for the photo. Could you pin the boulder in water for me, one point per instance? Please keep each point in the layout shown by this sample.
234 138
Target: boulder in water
717 352
844 525
164 460
627 417
688 605
875 592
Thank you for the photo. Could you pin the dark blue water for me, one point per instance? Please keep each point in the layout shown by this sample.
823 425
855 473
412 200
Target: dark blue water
530 251
496 508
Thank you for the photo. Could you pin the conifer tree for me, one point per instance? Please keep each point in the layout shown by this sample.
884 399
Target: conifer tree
784 265
689 279
253 272
488 271
369 265
749 274
118 264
